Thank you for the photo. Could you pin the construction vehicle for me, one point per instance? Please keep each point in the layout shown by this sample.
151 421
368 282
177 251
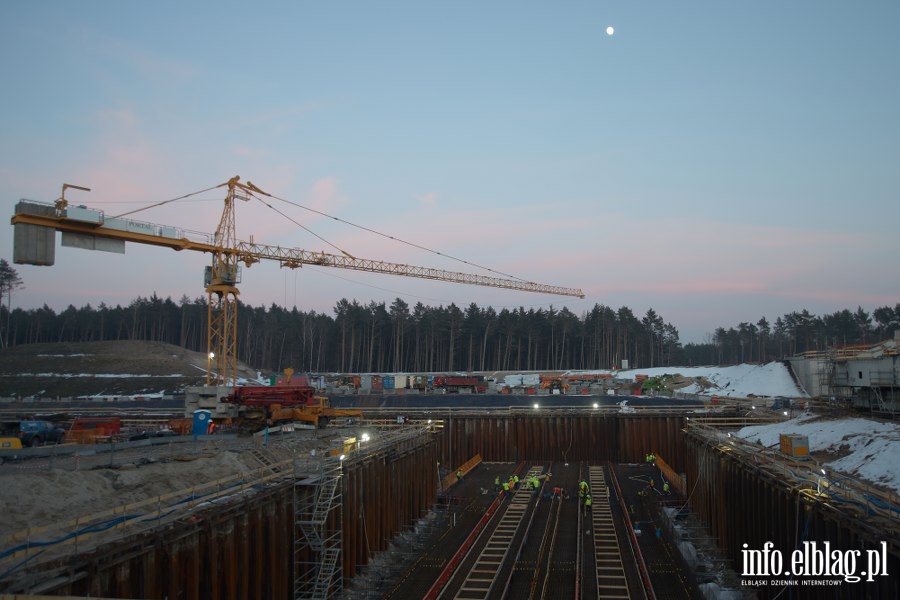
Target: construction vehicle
351 382
418 382
255 407
35 226
455 385
556 385
93 430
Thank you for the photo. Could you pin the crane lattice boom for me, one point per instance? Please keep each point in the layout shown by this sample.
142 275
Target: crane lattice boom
36 223
293 257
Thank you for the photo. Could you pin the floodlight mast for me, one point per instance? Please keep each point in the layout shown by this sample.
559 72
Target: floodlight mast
223 275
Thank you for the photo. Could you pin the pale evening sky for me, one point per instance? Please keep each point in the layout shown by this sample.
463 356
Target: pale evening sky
715 161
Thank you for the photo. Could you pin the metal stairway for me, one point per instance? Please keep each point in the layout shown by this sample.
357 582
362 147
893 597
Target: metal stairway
311 525
317 545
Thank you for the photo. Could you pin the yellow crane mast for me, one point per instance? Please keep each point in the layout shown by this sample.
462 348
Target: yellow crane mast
36 225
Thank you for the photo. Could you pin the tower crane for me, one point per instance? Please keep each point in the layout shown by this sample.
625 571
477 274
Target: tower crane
36 225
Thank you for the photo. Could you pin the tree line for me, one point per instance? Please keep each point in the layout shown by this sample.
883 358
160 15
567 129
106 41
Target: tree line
380 338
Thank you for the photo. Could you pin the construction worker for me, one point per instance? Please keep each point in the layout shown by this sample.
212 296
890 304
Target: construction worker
666 488
584 486
459 475
506 491
497 483
515 482
587 504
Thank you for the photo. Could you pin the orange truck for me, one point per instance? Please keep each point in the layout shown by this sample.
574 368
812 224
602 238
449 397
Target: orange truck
91 430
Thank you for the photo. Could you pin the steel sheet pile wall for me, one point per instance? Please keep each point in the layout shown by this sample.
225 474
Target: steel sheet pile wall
236 552
573 437
245 549
742 505
383 493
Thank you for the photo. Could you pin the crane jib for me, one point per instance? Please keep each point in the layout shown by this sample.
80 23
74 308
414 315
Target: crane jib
36 223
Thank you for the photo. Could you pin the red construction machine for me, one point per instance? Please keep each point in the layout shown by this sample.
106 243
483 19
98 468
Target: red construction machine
258 406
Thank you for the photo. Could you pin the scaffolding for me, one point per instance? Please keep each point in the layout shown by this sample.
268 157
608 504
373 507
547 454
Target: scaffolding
827 384
318 515
884 387
317 531
865 376
876 391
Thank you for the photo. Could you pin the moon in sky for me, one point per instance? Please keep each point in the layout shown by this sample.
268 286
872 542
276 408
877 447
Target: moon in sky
610 30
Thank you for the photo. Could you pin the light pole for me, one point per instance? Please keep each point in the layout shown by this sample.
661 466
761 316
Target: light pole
209 358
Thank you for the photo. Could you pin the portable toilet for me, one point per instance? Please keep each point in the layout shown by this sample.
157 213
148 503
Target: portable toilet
202 419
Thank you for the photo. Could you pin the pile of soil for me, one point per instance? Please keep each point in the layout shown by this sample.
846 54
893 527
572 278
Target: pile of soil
120 368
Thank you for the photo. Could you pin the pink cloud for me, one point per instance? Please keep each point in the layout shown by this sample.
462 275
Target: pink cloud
428 199
325 195
138 60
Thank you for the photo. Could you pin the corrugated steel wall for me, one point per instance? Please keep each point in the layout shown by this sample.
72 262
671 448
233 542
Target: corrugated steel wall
742 505
246 550
596 437
382 494
223 553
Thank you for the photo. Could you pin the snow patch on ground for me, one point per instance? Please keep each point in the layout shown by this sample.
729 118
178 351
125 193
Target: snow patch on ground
868 448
